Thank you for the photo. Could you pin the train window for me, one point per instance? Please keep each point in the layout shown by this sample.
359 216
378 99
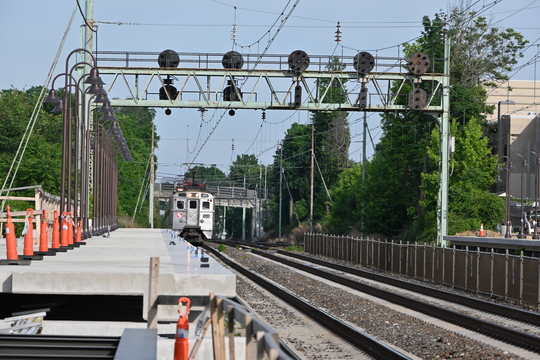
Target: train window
206 205
192 204
180 204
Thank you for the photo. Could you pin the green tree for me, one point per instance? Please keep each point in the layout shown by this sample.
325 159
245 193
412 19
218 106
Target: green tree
133 177
209 175
41 162
406 159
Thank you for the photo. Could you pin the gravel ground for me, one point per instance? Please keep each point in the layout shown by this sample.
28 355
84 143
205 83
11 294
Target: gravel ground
420 338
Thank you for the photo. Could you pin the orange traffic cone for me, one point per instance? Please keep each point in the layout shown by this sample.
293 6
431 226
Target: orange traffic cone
43 236
78 234
70 229
181 344
64 238
55 232
482 232
29 235
11 240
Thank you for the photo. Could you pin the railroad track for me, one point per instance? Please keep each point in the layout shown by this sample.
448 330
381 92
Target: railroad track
501 333
357 338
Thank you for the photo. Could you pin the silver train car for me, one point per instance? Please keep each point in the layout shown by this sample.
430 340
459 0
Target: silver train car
191 213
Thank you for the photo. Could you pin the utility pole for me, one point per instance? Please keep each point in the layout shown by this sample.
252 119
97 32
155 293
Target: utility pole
280 187
364 161
444 158
312 176
151 185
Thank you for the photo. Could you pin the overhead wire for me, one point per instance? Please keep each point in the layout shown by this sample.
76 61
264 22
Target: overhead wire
19 155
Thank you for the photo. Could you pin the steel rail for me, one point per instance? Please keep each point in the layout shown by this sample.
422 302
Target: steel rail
501 333
353 336
482 305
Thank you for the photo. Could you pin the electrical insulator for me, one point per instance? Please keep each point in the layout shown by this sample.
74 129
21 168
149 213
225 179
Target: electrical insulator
417 99
338 33
419 64
232 146
297 96
363 98
264 114
363 62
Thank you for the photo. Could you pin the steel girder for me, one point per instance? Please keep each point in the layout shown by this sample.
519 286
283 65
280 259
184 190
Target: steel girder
257 89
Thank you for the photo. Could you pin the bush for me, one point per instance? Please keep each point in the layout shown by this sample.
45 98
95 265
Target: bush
294 248
222 247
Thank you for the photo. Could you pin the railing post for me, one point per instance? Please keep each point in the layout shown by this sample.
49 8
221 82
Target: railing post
400 251
433 264
416 257
453 265
466 264
477 269
443 264
379 254
392 256
521 277
491 272
506 275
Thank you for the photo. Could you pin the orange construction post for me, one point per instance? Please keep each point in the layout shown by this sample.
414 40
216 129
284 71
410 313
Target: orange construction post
29 235
78 235
70 229
64 239
55 232
43 236
181 345
11 239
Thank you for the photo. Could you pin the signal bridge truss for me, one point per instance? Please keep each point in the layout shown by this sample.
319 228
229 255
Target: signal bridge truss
287 82
200 81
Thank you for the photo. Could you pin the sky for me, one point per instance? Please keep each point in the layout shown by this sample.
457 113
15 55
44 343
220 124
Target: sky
31 32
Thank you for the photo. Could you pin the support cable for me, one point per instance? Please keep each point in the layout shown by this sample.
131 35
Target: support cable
12 173
322 178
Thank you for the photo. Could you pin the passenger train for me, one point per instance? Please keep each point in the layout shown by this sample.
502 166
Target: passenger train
191 213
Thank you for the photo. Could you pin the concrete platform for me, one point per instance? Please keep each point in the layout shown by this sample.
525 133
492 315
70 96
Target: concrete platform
499 244
119 265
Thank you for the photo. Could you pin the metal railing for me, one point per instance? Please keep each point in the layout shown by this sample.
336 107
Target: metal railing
514 277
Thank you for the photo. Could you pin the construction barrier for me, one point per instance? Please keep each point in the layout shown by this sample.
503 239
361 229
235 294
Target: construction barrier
181 345
43 235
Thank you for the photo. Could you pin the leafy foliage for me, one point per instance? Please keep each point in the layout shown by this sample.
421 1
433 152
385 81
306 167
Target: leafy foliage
41 163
